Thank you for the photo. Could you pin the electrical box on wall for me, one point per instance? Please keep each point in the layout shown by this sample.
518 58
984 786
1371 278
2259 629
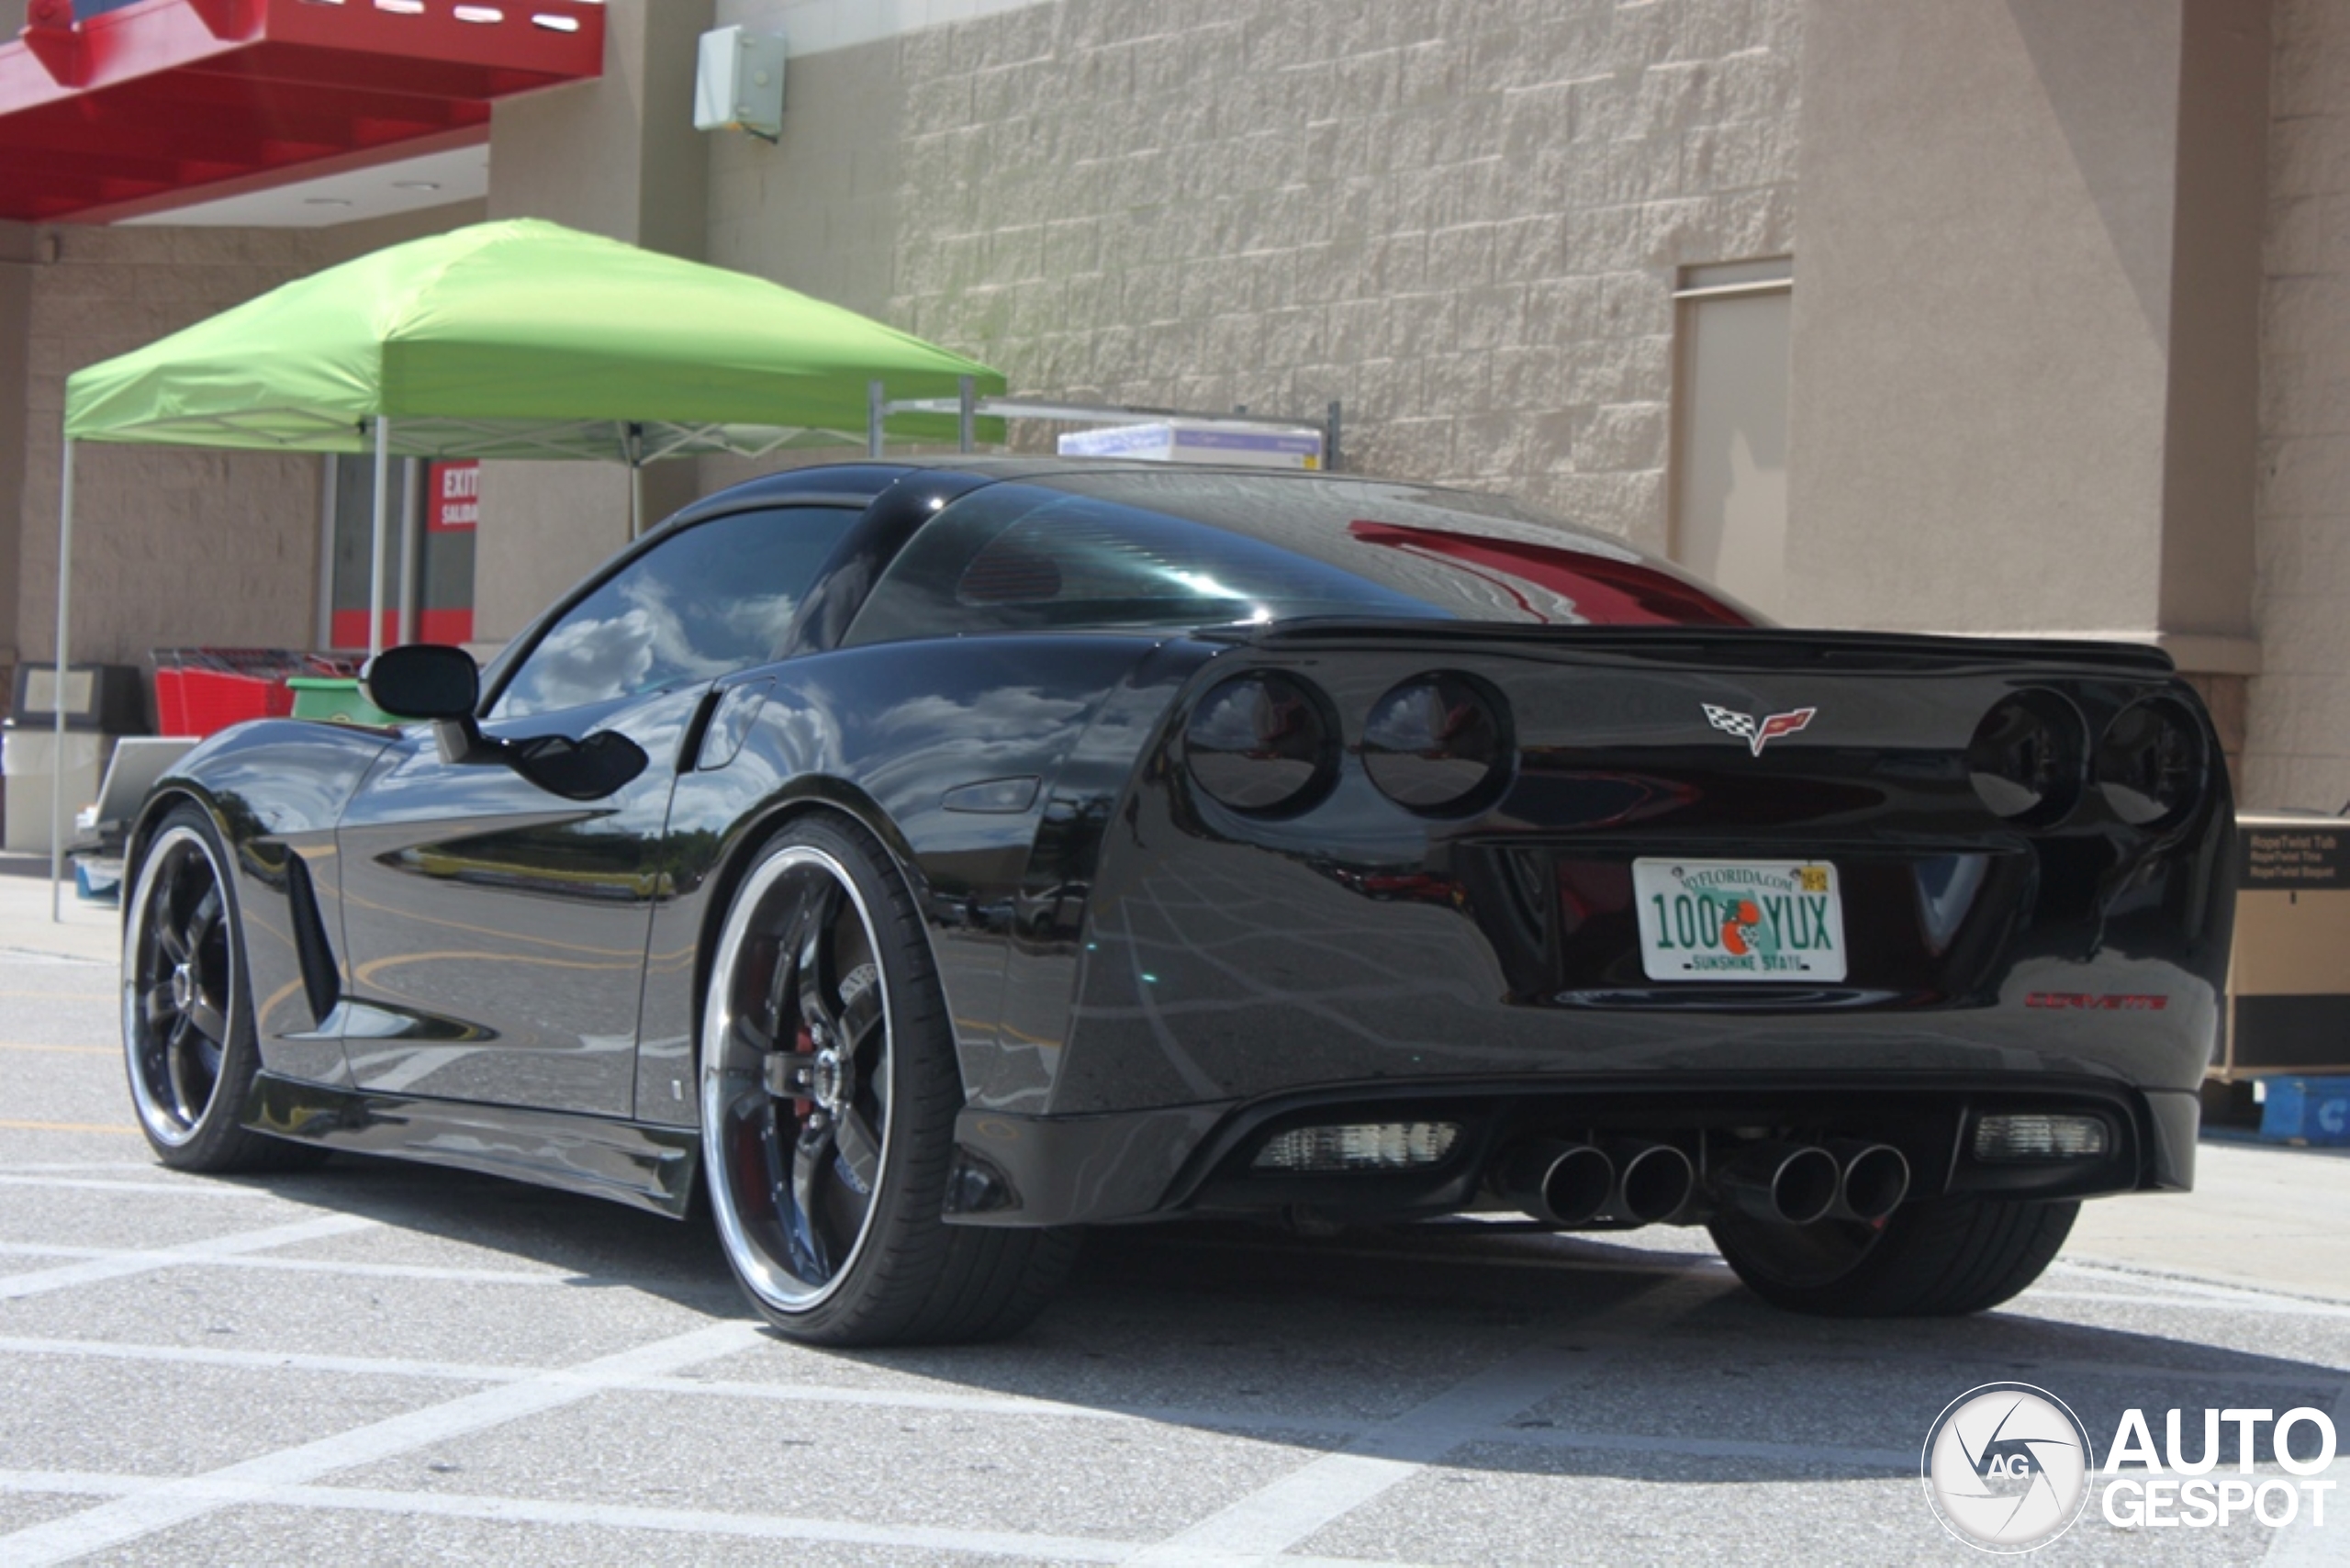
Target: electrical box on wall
738 85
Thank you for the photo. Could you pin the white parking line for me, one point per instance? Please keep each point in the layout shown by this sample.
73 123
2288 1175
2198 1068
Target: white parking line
607 1516
175 1189
178 1258
2190 1284
266 1360
2271 1306
91 1271
255 1480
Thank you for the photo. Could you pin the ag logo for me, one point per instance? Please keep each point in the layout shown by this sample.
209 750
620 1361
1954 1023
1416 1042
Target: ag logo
2007 1467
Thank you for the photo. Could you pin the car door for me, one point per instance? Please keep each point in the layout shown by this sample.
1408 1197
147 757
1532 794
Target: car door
495 932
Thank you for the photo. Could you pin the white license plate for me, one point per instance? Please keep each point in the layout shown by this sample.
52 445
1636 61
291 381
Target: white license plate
1739 920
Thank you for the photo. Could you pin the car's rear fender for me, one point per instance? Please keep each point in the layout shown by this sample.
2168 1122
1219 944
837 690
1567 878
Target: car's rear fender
951 756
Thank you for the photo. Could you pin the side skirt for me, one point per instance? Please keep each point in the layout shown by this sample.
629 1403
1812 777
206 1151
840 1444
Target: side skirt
628 1162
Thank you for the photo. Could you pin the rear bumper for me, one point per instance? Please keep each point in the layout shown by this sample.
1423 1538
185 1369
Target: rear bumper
1144 1165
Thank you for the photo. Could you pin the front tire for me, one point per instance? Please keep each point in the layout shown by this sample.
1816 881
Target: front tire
829 1090
187 1014
1937 1258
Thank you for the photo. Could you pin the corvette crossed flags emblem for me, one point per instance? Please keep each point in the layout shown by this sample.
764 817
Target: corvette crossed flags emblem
1757 733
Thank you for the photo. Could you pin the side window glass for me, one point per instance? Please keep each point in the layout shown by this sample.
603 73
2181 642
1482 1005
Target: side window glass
717 598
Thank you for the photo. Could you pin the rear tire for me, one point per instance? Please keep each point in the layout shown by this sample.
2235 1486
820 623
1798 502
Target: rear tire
187 1012
829 1200
1939 1259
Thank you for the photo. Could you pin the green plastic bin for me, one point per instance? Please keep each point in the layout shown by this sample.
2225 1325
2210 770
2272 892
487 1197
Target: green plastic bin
337 698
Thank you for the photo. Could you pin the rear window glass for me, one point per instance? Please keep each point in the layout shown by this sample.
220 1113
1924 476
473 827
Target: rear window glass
1190 549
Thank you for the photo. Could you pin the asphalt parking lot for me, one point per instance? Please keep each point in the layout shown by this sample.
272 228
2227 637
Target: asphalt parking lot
379 1363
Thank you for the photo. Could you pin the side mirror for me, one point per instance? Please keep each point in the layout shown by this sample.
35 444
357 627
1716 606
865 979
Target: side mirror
423 680
426 680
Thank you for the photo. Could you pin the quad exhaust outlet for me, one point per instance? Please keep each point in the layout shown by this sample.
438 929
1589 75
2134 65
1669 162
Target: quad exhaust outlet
1627 1181
1631 1181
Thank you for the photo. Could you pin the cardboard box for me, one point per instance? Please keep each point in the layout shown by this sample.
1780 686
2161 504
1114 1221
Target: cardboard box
26 757
1200 441
2288 980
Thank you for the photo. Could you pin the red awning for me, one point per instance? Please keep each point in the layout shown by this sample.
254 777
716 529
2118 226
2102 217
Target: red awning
130 110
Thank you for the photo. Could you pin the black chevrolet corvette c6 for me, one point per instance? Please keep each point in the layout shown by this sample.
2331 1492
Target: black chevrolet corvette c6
935 859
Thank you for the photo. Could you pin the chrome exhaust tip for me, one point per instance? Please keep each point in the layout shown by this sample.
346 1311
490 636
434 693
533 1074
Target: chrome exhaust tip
1653 1181
1875 1179
1788 1183
1557 1182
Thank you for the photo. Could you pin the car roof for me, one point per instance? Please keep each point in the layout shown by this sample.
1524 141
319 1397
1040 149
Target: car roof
863 480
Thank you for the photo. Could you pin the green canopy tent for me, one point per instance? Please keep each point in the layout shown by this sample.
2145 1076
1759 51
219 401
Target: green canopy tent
516 339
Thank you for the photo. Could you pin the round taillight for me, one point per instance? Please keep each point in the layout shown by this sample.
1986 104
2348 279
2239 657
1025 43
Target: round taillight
1436 743
2026 758
1262 743
2150 762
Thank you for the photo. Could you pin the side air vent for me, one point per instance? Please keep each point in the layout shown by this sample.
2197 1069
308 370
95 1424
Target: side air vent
321 979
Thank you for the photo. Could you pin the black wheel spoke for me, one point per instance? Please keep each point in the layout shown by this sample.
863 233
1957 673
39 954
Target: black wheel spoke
155 1001
191 1085
174 943
860 1151
810 1155
860 1016
751 1033
207 1020
202 919
813 975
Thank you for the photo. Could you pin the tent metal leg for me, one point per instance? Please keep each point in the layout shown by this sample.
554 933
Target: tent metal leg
57 697
873 398
633 451
967 400
411 504
376 538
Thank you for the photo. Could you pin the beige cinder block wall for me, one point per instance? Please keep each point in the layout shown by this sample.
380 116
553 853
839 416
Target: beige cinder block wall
1463 220
2299 751
619 157
2024 336
172 546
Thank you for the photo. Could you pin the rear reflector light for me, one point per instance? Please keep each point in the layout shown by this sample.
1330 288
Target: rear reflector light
1437 743
1262 744
1362 1145
2150 763
2026 759
2042 1138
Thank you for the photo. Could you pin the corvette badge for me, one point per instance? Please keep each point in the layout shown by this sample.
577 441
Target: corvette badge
1757 733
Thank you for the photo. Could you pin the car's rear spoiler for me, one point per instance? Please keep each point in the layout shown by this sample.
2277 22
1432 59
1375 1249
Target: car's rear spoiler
1752 646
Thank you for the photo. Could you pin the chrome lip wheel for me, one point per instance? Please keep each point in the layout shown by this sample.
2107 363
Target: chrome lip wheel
796 1079
178 975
